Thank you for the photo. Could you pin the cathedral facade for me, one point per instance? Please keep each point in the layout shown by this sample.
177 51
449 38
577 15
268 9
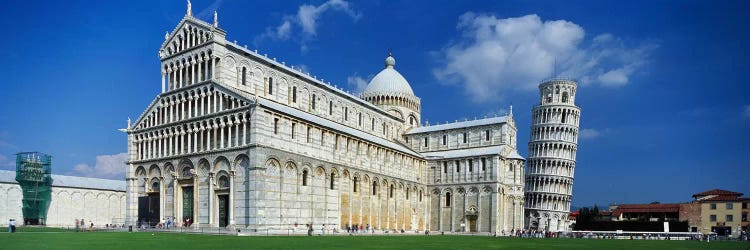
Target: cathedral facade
237 139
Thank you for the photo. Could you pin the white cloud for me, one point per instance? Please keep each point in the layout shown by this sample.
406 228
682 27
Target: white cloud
208 12
497 55
358 83
746 112
303 67
282 32
306 21
589 133
107 166
615 77
308 15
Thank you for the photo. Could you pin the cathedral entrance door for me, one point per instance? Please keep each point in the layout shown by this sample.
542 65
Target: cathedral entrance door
472 224
223 210
187 205
153 209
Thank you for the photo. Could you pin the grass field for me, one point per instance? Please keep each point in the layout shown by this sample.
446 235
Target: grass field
122 240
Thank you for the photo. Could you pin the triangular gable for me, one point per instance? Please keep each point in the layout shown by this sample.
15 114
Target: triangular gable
187 21
156 103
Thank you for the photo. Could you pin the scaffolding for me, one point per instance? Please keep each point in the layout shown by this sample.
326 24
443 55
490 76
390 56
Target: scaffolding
34 174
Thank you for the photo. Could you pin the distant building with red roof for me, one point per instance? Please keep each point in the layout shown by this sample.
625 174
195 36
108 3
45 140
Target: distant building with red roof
719 211
646 212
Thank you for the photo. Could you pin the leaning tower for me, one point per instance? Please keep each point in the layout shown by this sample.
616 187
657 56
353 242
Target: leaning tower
552 155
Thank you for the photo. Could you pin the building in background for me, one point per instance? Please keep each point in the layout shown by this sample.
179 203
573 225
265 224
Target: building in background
646 212
98 201
552 156
721 211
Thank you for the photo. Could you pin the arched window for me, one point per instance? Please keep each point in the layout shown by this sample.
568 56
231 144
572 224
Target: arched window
392 190
458 166
565 97
445 140
244 76
420 195
294 94
374 188
359 119
355 182
155 187
223 181
564 114
330 107
276 125
407 193
557 90
333 178
313 101
447 199
270 85
304 177
293 130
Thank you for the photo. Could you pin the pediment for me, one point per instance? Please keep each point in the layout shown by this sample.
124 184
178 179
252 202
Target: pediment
190 32
166 98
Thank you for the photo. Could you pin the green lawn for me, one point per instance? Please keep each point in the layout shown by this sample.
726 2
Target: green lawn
120 240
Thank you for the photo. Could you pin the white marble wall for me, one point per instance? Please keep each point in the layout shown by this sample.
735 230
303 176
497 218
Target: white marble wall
68 204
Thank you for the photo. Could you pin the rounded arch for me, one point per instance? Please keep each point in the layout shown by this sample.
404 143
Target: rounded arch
140 171
154 184
241 164
222 179
346 174
320 171
334 170
203 167
154 171
396 113
273 167
169 169
221 163
291 169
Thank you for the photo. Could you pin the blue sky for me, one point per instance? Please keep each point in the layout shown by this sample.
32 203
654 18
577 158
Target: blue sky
663 89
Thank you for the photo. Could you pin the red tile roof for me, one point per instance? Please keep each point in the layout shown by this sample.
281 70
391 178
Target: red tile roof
724 198
646 208
718 192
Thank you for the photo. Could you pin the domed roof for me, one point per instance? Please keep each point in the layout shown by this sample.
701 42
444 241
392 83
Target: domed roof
388 81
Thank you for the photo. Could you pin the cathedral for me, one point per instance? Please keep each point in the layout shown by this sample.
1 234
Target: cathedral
237 139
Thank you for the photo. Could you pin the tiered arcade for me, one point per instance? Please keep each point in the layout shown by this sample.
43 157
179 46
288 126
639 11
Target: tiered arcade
552 154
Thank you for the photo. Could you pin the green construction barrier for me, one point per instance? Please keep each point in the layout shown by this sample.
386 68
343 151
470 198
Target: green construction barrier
34 174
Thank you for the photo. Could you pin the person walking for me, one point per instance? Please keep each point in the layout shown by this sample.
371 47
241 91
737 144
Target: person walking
77 225
12 225
323 230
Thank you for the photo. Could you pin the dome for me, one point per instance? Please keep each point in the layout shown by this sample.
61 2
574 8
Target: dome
388 81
